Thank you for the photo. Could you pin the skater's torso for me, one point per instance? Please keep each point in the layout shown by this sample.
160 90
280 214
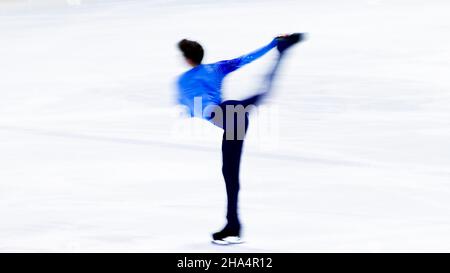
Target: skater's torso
200 87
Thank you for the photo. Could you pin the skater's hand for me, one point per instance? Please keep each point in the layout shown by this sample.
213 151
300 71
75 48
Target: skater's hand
282 36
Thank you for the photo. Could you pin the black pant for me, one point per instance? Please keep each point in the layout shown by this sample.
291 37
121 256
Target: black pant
232 146
232 151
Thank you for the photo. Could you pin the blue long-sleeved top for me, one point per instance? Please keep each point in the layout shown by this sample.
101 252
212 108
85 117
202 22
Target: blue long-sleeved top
203 83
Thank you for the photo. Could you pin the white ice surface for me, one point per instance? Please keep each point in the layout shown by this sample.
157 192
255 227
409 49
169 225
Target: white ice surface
92 158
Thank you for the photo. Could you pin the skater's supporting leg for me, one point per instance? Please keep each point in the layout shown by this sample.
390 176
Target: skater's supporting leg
231 160
231 157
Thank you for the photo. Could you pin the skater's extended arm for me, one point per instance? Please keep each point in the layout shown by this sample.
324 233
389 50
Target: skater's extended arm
231 65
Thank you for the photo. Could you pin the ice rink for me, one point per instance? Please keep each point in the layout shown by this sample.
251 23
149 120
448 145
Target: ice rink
353 153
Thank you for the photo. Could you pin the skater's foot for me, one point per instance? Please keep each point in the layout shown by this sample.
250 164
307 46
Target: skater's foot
286 41
230 240
228 235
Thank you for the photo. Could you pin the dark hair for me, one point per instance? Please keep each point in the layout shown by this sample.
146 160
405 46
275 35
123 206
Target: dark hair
191 50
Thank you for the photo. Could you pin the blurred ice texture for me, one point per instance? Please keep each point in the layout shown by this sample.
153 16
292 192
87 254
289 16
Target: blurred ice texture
91 159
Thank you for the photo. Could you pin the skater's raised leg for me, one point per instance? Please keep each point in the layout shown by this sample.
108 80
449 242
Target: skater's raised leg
267 86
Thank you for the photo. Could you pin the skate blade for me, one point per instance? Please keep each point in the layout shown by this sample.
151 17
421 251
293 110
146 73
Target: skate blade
231 240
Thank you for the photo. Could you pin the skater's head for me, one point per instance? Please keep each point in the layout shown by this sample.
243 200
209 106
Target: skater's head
192 51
